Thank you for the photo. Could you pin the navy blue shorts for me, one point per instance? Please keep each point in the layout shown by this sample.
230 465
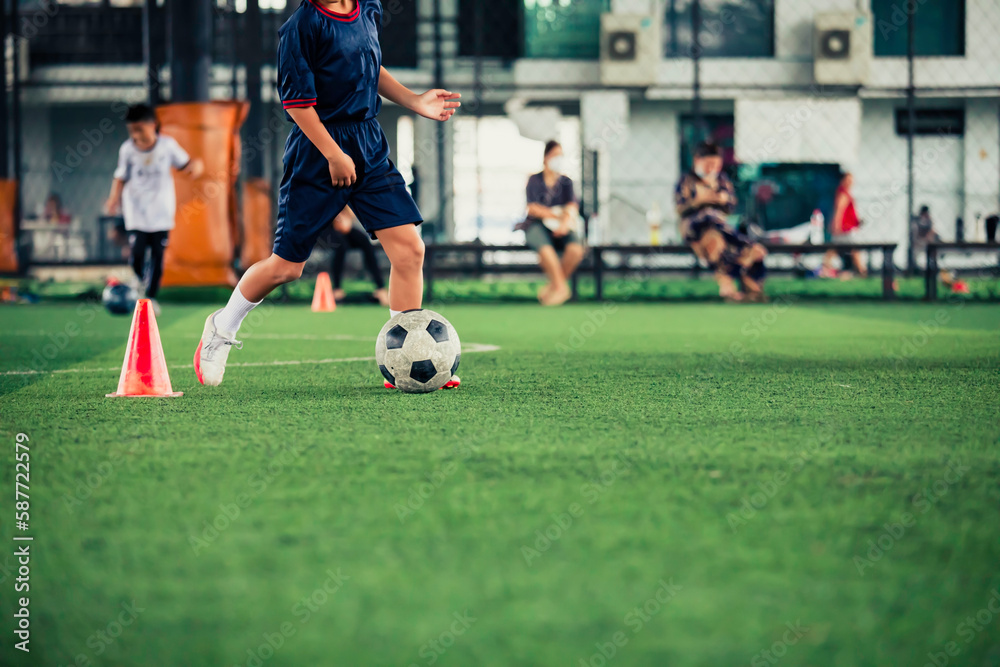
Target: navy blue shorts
308 201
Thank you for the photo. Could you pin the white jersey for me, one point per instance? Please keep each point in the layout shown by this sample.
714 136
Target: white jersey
149 201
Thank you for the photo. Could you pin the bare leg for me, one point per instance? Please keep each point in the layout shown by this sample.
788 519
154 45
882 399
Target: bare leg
267 274
711 247
858 265
549 261
405 250
828 260
571 259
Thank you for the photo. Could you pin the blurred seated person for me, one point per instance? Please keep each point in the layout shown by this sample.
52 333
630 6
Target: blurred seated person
553 214
923 228
924 233
705 197
53 211
347 234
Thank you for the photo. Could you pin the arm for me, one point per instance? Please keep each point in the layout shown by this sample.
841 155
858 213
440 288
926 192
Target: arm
342 170
570 209
114 203
436 104
539 211
182 160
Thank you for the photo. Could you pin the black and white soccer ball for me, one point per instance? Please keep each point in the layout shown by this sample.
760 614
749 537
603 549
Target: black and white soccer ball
418 351
119 298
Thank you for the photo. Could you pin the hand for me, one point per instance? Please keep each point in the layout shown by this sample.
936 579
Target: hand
437 104
113 206
342 170
195 168
563 230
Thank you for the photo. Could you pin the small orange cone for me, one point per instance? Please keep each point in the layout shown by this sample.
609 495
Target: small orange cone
323 301
144 371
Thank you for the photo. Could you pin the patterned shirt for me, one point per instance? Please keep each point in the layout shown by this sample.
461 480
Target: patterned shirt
689 212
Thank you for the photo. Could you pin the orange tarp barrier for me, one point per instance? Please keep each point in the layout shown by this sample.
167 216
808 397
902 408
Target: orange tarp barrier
8 241
201 245
258 237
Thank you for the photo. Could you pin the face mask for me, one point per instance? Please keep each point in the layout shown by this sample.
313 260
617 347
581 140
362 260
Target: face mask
704 173
557 163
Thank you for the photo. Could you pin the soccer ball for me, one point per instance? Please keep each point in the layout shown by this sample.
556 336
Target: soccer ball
418 351
119 298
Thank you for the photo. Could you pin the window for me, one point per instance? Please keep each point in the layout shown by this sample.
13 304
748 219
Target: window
500 28
563 28
948 122
729 29
717 128
938 27
399 34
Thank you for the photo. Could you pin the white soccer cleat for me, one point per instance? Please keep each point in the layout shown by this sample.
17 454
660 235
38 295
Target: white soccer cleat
212 353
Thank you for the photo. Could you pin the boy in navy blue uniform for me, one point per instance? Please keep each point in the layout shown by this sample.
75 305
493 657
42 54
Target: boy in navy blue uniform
330 78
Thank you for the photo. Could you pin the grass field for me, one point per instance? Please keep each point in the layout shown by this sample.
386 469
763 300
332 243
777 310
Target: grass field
635 484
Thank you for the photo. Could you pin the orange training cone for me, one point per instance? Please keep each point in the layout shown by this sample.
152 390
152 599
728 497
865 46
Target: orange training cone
144 371
323 301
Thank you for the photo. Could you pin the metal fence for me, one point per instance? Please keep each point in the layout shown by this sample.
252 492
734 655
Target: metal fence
904 94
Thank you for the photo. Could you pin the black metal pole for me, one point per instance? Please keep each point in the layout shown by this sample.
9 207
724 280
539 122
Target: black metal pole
190 50
478 27
696 66
234 49
4 100
252 58
16 114
150 55
911 115
439 129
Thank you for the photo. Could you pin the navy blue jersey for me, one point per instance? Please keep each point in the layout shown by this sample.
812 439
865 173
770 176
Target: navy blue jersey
331 61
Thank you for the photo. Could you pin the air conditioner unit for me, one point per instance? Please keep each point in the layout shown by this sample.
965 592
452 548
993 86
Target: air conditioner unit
842 52
631 49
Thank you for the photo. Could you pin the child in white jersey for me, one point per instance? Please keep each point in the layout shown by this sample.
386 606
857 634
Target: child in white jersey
143 191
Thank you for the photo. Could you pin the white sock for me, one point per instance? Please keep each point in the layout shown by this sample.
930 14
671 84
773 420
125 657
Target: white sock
230 318
393 313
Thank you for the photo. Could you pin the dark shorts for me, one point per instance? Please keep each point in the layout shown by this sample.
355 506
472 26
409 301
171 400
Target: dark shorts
537 236
308 201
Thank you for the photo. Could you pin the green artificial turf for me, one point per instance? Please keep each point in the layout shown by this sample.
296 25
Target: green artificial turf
629 484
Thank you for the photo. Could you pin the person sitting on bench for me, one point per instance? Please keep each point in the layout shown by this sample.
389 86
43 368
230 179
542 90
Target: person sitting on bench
553 213
705 197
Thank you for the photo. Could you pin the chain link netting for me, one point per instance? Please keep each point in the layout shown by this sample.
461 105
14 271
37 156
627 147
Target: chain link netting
904 94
